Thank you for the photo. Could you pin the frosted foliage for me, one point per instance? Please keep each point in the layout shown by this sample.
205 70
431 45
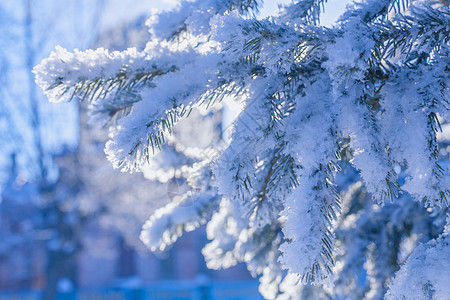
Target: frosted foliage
352 110
193 143
232 241
425 274
186 213
309 231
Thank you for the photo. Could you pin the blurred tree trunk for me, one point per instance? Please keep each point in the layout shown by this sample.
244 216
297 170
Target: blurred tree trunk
63 244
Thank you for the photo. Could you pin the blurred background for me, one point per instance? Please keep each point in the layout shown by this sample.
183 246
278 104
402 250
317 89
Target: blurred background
69 222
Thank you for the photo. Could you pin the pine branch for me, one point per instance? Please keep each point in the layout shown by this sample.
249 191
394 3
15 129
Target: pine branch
280 178
426 30
124 83
244 6
264 179
304 11
313 235
112 86
164 228
278 44
194 209
399 6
